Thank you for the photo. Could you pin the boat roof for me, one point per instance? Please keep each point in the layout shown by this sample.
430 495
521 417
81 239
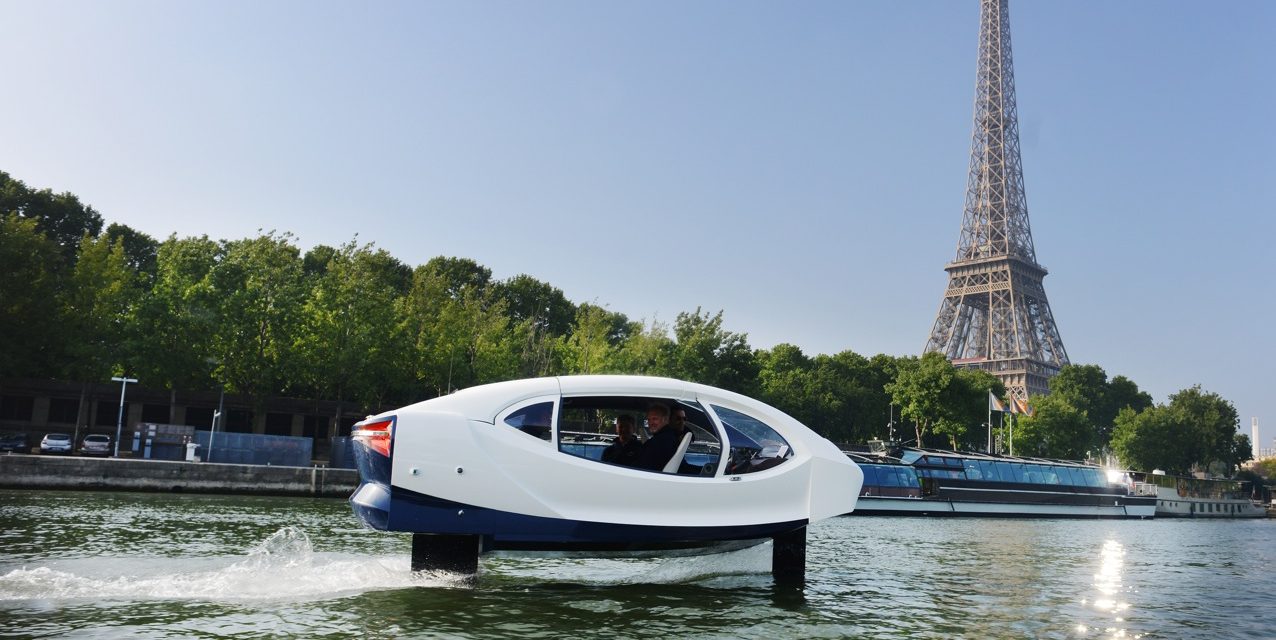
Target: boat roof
964 455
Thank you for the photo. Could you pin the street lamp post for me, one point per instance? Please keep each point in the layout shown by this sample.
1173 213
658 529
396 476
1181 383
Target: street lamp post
119 424
213 434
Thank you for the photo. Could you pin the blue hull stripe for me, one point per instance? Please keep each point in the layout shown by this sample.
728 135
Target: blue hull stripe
404 510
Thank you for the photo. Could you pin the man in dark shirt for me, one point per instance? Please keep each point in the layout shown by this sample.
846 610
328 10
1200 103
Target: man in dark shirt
626 448
662 444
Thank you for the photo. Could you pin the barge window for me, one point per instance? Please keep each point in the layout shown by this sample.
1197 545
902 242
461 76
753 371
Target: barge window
1065 476
989 470
889 478
908 477
973 472
870 474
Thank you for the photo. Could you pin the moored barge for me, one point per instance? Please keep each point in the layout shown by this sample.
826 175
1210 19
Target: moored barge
947 483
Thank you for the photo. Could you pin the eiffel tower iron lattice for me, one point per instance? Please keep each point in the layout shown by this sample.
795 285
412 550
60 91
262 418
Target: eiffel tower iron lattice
995 315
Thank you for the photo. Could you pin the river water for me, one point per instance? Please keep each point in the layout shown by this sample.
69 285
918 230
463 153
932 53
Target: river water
127 565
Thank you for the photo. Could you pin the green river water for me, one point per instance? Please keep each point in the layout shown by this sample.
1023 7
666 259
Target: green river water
131 565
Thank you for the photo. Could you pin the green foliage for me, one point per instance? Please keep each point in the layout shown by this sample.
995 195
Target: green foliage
543 305
1056 430
1153 439
459 331
841 396
705 352
1196 429
140 250
350 343
1266 468
1086 388
30 310
98 310
1210 422
921 392
592 345
257 286
61 217
174 325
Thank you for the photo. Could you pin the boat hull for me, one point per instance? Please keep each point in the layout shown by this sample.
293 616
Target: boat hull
1134 508
1170 504
402 510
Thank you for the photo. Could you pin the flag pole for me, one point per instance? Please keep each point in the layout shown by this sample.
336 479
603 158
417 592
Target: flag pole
989 449
1012 432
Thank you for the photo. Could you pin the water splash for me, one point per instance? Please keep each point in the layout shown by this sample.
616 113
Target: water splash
282 567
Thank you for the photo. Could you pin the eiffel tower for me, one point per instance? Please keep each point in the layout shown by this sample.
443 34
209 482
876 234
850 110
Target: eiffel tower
995 315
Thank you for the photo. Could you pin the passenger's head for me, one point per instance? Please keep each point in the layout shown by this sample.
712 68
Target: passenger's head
625 427
657 417
678 418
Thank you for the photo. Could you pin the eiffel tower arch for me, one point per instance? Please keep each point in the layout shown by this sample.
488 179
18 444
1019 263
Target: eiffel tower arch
994 315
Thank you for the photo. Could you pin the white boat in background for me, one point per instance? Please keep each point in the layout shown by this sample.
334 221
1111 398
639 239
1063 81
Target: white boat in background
514 467
1178 497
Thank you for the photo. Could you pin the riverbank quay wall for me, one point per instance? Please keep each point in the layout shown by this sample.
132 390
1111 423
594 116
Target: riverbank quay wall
18 471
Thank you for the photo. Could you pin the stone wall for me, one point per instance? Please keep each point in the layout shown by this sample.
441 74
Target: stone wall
54 472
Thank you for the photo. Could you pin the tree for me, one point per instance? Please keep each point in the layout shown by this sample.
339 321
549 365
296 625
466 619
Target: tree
60 217
594 341
1153 439
967 398
30 310
646 351
1087 389
527 298
458 328
176 321
258 289
704 352
1210 423
349 340
140 249
1241 452
1122 393
919 389
1057 429
99 308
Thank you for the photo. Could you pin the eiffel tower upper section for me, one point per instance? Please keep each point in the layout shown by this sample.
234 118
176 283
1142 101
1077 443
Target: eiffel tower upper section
995 315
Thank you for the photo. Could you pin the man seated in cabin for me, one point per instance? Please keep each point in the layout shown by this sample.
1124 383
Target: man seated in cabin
626 448
662 444
678 422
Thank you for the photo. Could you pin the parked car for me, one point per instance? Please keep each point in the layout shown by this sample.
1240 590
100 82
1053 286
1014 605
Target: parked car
56 443
14 442
95 444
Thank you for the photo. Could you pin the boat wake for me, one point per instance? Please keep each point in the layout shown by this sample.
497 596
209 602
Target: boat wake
660 570
282 567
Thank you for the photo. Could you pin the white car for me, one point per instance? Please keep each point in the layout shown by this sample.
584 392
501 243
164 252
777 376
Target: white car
516 466
56 443
95 444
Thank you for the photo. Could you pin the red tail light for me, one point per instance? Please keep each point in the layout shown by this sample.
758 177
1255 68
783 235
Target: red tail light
376 435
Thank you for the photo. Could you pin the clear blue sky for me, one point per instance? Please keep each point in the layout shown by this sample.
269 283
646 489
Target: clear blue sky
800 166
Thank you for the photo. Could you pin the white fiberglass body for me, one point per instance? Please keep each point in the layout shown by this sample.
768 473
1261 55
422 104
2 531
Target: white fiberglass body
472 463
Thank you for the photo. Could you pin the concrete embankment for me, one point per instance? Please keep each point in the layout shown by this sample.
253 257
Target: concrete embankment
49 472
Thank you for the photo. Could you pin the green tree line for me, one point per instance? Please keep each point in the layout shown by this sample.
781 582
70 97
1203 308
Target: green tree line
82 301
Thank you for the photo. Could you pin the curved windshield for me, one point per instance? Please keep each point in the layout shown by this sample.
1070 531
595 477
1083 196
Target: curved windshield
755 446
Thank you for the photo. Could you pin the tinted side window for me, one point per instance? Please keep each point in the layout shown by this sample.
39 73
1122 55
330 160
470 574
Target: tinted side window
534 419
754 444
